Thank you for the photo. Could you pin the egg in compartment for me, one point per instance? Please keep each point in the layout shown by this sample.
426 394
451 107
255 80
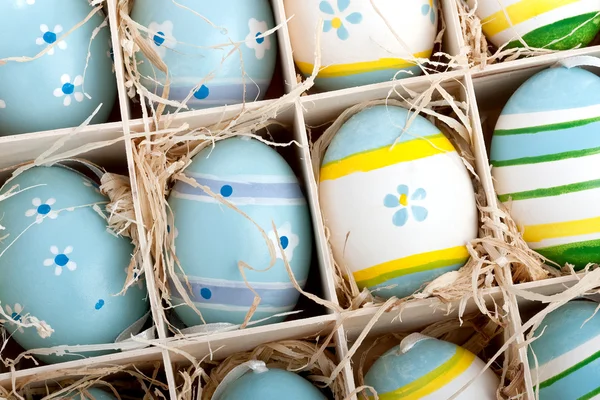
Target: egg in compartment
400 206
212 239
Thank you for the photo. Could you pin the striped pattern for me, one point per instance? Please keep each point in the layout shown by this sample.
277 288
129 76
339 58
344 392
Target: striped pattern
434 380
409 150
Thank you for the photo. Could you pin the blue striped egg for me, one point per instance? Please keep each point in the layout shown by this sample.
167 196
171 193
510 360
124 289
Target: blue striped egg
399 204
567 350
425 368
211 238
545 154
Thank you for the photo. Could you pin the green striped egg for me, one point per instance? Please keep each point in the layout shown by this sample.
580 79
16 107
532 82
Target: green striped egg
567 351
545 154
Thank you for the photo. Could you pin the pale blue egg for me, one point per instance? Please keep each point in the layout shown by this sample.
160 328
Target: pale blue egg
212 238
49 92
98 394
59 263
194 42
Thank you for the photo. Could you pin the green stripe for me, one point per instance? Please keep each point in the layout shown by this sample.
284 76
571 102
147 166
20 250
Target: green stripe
545 128
570 370
577 253
546 157
590 395
553 191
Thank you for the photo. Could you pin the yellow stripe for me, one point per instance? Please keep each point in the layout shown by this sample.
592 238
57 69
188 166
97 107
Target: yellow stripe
388 155
434 380
537 233
416 263
519 12
334 71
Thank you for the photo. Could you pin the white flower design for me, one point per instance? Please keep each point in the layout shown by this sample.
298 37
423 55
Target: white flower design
60 260
42 210
255 41
67 89
16 314
161 37
90 184
49 37
288 240
30 2
2 104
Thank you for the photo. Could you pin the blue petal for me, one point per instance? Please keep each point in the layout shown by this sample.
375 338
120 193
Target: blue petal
343 4
400 217
327 26
354 18
343 33
432 17
326 8
402 189
420 213
425 9
391 201
419 194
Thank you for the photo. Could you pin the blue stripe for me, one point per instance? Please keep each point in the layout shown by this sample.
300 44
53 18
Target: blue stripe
236 296
367 78
243 189
574 385
512 147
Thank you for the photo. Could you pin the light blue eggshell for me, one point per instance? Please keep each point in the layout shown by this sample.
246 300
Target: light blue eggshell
566 331
61 265
186 43
274 384
97 394
32 94
211 238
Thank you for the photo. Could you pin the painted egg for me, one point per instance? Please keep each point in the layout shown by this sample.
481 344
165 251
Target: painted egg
59 263
550 24
267 384
567 350
62 88
422 367
211 238
359 46
545 154
223 57
96 393
400 206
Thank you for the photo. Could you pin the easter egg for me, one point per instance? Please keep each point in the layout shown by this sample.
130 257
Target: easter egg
59 263
96 394
63 87
211 239
422 367
359 42
218 51
400 206
549 24
270 384
567 350
545 157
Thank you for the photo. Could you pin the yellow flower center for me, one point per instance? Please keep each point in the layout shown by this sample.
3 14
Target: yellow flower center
403 200
336 23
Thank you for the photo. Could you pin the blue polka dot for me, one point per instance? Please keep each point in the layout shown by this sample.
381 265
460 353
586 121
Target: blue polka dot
44 209
202 93
226 190
61 260
159 38
16 316
206 293
261 39
284 242
112 54
68 88
49 37
99 304
168 228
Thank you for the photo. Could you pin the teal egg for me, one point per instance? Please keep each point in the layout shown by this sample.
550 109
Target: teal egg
211 238
50 92
567 350
59 263
97 394
273 384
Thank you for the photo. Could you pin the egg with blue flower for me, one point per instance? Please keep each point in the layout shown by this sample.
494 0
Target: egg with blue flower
61 265
217 53
212 238
398 201
361 42
61 88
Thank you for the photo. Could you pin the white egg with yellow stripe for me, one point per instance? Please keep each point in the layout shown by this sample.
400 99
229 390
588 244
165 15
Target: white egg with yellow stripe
399 203
361 41
422 367
551 24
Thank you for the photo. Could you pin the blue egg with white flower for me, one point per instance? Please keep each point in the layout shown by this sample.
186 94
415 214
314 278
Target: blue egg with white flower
62 87
62 270
217 53
213 240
